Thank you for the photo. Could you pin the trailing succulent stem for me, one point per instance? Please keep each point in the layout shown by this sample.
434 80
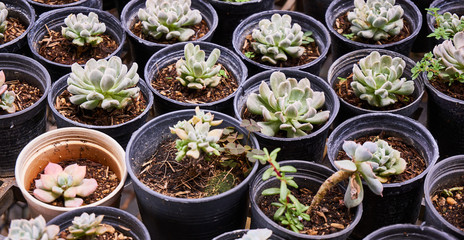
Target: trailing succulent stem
6 97
88 226
3 21
447 24
33 229
83 29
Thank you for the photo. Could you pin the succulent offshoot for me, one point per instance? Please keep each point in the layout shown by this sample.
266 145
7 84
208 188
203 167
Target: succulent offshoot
257 234
33 229
83 29
196 73
288 105
447 24
69 183
3 21
169 19
6 97
88 226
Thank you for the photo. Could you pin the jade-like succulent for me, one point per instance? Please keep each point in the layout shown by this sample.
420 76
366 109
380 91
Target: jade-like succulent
6 97
277 38
257 234
104 84
451 57
87 225
195 136
376 19
169 18
3 21
194 72
378 79
34 229
69 183
289 105
83 29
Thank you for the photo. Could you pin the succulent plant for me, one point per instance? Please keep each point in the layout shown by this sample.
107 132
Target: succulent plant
379 80
451 57
83 29
376 19
277 38
195 136
3 21
69 183
169 18
194 72
104 84
87 225
288 105
446 24
257 234
6 97
386 161
34 229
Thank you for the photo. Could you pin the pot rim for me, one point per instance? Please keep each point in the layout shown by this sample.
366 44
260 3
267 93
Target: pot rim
56 6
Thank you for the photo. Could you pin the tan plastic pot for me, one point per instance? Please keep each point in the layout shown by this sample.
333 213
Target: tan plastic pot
62 144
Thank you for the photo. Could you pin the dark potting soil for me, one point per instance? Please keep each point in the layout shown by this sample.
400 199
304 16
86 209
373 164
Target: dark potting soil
191 178
14 29
455 90
99 116
114 235
200 29
55 2
415 162
342 26
26 94
167 84
311 52
106 179
329 217
451 207
57 48
344 90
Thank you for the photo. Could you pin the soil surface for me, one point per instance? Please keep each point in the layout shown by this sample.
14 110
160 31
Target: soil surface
106 179
167 84
329 217
114 235
55 2
415 162
451 206
200 29
345 91
14 29
99 116
342 26
311 52
26 95
455 90
57 48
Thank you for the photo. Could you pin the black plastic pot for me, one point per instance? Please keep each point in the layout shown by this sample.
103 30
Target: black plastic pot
316 8
42 7
320 35
401 201
143 49
54 20
408 231
121 132
310 175
444 174
179 218
309 147
21 10
239 233
19 128
452 6
342 45
343 67
119 219
171 54
231 14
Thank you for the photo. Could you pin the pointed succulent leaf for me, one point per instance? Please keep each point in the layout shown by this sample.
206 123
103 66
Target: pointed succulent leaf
83 29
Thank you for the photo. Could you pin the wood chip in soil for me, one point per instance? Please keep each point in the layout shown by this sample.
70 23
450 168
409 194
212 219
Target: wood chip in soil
416 164
455 90
345 91
451 207
26 95
200 29
55 2
99 116
59 49
329 217
115 235
342 26
14 29
167 84
311 52
106 179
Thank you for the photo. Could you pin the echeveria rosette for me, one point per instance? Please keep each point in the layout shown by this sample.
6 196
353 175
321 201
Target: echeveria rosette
33 229
6 97
196 73
450 55
69 183
288 105
376 19
386 161
277 38
378 80
169 18
107 84
88 226
83 29
257 234
3 21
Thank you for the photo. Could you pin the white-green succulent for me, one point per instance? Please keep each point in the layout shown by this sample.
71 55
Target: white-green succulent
257 234
376 19
276 39
6 97
378 79
83 29
194 72
88 225
169 18
451 24
3 21
34 229
450 55
288 105
107 84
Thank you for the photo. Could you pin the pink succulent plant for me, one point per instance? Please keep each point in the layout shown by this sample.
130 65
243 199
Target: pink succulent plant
69 183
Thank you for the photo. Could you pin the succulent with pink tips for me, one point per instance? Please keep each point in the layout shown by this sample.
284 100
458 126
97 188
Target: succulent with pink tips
69 183
6 97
